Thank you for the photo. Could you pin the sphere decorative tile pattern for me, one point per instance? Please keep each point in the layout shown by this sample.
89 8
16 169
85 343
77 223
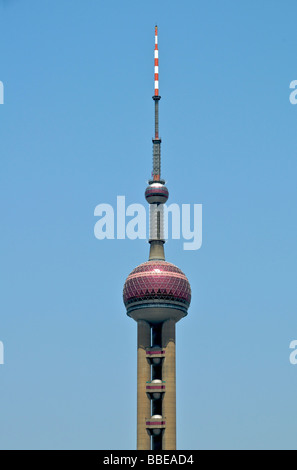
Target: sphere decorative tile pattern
157 280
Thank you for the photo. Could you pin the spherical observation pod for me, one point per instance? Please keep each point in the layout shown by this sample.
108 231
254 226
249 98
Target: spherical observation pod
155 389
155 355
155 425
156 193
157 291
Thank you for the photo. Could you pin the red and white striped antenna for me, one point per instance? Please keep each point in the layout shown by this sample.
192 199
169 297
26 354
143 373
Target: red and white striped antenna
156 63
156 98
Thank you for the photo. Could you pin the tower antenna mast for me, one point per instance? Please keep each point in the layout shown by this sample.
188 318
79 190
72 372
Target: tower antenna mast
156 98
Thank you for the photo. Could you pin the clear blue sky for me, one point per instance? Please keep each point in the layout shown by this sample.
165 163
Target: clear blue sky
75 131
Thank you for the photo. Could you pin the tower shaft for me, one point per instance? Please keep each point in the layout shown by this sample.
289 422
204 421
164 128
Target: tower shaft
143 376
162 337
169 376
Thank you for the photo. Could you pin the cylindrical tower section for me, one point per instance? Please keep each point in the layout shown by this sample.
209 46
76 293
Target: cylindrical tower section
169 376
157 336
157 222
157 342
157 371
143 376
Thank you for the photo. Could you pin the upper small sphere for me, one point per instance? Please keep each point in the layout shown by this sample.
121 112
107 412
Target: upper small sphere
156 193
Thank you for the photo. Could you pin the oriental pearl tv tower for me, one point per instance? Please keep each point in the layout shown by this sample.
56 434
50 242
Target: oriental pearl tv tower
156 295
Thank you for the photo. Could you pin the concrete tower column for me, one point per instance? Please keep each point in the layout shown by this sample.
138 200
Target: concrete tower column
169 375
143 376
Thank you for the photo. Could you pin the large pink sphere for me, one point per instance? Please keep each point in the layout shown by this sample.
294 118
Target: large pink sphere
157 282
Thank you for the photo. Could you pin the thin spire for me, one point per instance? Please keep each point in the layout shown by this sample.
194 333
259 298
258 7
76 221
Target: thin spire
156 140
156 193
156 63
